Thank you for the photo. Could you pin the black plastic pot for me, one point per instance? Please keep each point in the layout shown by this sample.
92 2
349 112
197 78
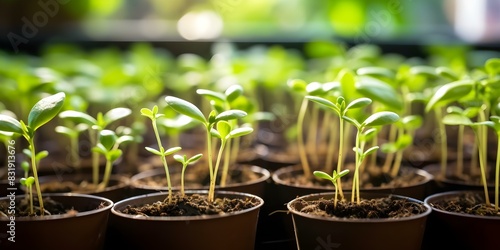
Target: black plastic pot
319 232
86 230
228 231
449 230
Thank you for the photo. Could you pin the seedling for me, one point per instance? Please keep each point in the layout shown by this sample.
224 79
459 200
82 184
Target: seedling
224 131
41 113
28 183
108 146
161 152
374 120
186 162
73 132
495 124
334 178
95 126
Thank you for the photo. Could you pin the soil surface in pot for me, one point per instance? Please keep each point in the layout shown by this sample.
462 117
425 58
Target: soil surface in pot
191 205
51 207
467 203
371 177
367 208
74 186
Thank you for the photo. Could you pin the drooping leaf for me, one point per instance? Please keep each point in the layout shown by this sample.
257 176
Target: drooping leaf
186 108
352 121
370 151
66 131
322 101
9 124
45 109
99 148
381 118
378 90
214 133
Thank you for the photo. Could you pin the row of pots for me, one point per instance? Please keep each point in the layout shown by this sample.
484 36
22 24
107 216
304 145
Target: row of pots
128 230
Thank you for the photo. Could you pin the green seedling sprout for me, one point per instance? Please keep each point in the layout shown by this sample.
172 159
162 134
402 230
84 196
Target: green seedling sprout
334 178
95 126
28 183
26 168
340 109
186 108
374 120
73 132
495 124
108 146
41 113
153 115
186 162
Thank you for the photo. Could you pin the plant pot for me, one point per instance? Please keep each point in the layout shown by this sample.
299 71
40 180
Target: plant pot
118 187
285 192
440 185
256 186
227 231
86 230
319 232
450 230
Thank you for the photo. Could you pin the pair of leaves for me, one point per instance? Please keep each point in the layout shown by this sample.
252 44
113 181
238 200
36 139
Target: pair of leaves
185 161
162 152
27 181
376 119
225 131
333 178
101 121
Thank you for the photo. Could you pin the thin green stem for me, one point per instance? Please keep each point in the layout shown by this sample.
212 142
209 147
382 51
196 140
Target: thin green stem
35 174
211 192
300 139
331 146
312 136
225 168
107 174
460 151
30 192
355 183
340 159
184 165
497 175
482 158
95 157
390 156
444 142
163 158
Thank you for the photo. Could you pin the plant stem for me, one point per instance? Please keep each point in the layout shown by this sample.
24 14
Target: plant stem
184 165
390 156
209 159
107 173
482 158
444 142
95 157
312 136
30 192
211 192
225 168
300 139
75 152
340 159
331 146
355 183
35 174
497 175
163 158
460 151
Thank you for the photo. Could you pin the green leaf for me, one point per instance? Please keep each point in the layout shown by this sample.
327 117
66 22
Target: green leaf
352 121
212 95
343 173
116 114
381 118
404 141
66 131
233 92
241 131
322 175
113 155
427 71
107 138
124 138
180 158
172 150
223 127
380 91
370 151
230 115
297 85
45 109
42 154
214 133
447 72
492 66
186 108
194 159
359 103
9 124
314 88
369 134
25 166
456 119
154 151
412 122
347 83
389 148
323 101
78 117
147 112
454 110
23 181
375 71
99 148
450 92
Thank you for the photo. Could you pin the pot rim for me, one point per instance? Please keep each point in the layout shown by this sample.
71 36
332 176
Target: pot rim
109 205
359 220
428 201
428 168
160 171
121 179
276 178
124 202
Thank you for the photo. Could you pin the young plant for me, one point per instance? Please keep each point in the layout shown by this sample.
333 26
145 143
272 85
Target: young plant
28 183
41 113
210 124
340 109
495 124
334 178
153 115
186 162
95 126
108 146
73 132
374 120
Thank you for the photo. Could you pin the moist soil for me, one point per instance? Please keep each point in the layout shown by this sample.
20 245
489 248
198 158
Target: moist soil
467 203
51 207
191 205
367 208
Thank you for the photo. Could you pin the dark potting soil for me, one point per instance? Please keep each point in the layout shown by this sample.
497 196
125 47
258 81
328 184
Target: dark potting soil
367 208
51 207
191 205
467 203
